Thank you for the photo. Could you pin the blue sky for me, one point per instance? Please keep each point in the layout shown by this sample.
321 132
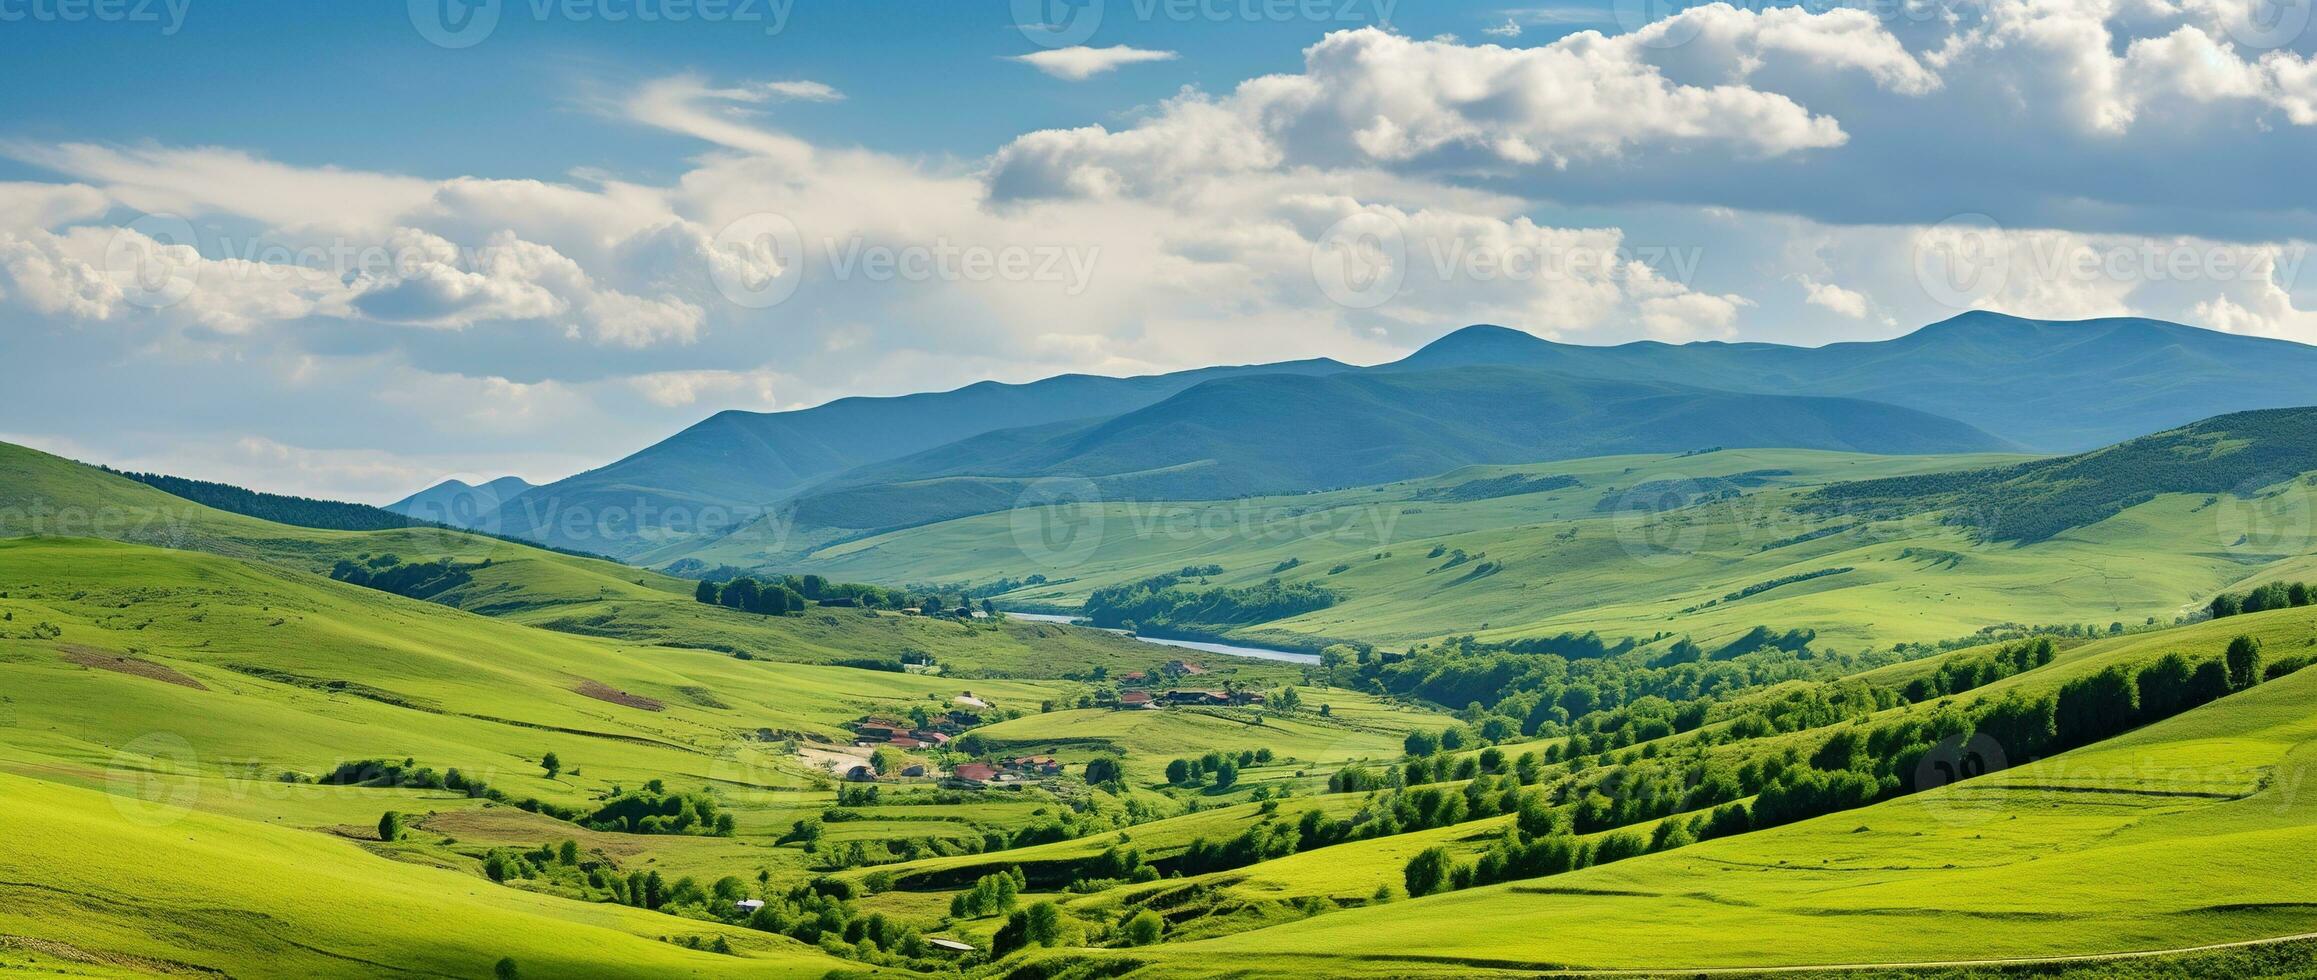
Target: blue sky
305 247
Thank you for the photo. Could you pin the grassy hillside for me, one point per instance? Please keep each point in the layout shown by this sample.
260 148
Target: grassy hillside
2261 455
1704 545
2052 858
101 886
43 494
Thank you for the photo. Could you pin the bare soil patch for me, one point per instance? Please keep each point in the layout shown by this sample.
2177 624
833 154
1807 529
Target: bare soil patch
88 656
605 692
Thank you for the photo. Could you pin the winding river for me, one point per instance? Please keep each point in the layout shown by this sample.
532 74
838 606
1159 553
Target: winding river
1203 646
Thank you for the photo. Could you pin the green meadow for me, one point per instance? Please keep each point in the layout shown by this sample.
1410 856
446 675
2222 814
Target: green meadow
1612 553
177 684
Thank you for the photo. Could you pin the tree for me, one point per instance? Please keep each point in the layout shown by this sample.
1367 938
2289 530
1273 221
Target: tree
740 593
505 970
888 760
1179 772
552 764
1288 702
1427 871
390 826
1043 924
2244 662
568 852
1102 769
1226 774
1145 928
1421 743
706 592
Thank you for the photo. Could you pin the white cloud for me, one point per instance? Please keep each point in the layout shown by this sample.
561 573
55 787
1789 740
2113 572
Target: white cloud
1510 28
804 91
1828 296
1079 63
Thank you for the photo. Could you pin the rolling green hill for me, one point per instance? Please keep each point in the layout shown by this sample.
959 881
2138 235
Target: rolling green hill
1284 433
2053 858
1868 551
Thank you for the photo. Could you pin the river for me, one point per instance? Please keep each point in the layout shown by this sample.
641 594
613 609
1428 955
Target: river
1203 646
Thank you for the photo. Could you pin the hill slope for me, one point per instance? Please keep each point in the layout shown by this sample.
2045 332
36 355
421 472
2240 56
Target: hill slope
2055 857
2052 386
462 504
1867 550
2242 454
738 463
1283 434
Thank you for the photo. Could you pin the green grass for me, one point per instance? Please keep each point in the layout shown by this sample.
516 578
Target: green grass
1370 728
1566 564
2171 836
152 890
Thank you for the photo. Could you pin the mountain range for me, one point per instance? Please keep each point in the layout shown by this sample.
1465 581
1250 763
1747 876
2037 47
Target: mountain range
1483 394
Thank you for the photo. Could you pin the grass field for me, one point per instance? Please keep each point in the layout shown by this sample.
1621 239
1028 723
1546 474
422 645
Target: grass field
166 699
2052 858
146 890
1605 554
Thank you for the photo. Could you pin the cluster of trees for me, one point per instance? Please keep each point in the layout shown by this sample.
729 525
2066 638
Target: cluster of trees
1538 844
1221 767
2275 595
2036 500
750 595
1162 602
1511 484
410 775
300 511
1956 675
990 895
417 580
1853 767
653 810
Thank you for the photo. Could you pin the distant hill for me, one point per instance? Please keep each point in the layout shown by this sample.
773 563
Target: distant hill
1278 433
2050 386
747 461
462 504
1974 382
2241 454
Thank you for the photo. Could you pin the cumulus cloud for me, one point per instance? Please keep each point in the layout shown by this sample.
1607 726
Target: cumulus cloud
1520 185
1828 296
1079 63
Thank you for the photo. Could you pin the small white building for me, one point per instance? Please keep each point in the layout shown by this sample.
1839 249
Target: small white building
949 945
749 904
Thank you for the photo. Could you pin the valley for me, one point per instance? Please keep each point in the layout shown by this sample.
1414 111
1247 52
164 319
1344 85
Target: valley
1724 708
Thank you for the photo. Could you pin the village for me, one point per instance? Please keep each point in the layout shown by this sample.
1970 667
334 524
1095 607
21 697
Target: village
945 733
